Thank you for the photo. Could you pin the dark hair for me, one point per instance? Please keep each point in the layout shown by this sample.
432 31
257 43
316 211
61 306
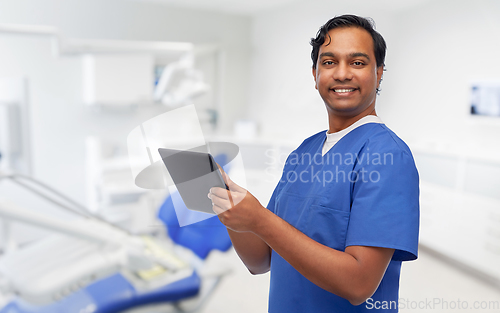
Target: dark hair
379 45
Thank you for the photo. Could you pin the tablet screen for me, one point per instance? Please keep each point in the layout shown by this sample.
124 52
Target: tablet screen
193 173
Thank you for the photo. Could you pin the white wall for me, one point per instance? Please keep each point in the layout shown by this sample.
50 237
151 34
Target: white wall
439 49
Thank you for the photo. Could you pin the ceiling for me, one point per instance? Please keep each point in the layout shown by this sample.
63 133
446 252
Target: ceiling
246 7
250 7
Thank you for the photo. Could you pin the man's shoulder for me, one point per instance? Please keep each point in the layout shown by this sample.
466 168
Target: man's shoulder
311 140
382 137
381 143
318 135
379 147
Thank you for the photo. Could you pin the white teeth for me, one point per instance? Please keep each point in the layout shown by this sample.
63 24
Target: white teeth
343 90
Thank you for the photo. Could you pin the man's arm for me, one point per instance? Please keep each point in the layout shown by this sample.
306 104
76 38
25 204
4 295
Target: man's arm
253 251
354 274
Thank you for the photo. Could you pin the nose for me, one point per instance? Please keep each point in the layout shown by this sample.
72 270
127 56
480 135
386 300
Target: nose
342 72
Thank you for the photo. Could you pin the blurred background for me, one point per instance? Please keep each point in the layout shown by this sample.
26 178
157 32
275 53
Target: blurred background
76 77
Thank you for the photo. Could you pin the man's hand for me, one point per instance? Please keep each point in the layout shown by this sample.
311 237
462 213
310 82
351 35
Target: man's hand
236 208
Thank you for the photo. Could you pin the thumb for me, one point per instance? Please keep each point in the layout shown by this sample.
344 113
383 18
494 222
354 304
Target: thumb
235 192
232 185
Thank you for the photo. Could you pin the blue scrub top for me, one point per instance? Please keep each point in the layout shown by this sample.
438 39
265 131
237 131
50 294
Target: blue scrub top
364 191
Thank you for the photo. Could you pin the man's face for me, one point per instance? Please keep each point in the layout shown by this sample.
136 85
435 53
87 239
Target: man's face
346 73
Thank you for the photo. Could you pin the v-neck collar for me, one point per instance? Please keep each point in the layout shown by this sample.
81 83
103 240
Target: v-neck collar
331 139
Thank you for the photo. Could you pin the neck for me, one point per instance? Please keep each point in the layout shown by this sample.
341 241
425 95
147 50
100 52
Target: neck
338 123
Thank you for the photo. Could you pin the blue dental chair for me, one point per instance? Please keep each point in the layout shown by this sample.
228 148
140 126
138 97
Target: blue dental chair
115 293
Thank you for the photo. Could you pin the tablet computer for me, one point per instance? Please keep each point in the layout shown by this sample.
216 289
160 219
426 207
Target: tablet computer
193 173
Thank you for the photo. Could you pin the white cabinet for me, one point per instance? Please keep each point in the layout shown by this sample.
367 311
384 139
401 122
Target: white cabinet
121 79
460 210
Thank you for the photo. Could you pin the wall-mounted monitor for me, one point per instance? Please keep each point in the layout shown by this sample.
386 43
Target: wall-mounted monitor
485 98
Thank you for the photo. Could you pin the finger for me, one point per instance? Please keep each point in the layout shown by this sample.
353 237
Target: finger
225 177
230 195
219 207
235 193
237 197
223 174
220 168
232 185
217 210
221 203
218 192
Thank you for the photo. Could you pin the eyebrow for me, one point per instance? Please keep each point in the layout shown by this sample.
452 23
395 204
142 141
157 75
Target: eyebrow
351 55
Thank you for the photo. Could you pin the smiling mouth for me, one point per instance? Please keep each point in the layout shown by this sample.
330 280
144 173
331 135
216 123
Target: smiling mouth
342 90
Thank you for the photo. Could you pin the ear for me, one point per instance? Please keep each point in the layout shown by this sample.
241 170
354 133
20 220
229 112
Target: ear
380 72
314 75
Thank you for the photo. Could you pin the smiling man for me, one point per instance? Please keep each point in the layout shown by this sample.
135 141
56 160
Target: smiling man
345 213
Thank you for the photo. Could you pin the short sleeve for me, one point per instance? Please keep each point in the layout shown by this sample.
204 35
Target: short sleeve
271 206
385 204
272 202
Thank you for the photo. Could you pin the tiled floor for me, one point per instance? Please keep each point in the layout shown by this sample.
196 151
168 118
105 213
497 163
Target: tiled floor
427 285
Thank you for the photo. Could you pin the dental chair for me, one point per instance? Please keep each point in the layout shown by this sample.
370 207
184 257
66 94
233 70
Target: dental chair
92 267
